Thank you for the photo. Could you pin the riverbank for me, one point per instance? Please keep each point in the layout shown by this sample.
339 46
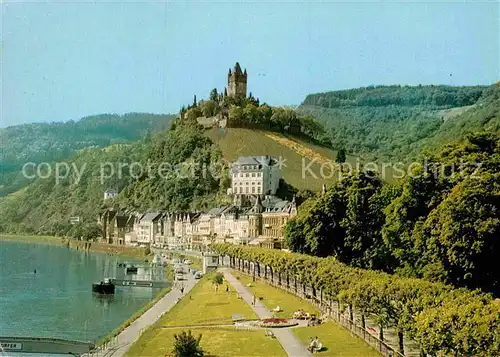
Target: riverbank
135 253
120 344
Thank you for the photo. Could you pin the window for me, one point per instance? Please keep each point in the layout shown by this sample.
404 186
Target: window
253 189
253 174
253 183
246 175
246 183
246 189
259 189
259 174
259 183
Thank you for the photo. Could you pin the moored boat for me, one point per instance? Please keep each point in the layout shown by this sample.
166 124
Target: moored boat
131 269
105 287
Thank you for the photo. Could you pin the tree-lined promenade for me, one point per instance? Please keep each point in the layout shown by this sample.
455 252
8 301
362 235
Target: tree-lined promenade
440 318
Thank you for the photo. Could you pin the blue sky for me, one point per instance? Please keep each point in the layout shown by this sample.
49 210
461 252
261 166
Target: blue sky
64 60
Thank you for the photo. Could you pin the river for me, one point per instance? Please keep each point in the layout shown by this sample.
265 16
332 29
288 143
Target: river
57 300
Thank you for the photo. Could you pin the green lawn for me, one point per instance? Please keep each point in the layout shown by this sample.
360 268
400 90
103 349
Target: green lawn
204 306
337 340
272 297
240 142
215 341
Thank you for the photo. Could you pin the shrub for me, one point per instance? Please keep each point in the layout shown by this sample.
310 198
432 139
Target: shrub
186 345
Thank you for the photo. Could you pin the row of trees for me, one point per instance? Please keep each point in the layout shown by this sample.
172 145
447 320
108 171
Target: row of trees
441 223
438 317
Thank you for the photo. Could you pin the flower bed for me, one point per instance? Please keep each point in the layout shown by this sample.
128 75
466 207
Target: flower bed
276 322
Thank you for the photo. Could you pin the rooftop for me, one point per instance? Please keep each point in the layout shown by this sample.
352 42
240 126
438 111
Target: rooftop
255 160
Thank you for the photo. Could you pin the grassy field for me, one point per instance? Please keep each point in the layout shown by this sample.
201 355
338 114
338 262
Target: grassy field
204 306
337 341
271 297
240 142
297 153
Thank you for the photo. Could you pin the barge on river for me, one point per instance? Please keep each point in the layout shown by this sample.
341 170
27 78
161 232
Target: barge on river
106 287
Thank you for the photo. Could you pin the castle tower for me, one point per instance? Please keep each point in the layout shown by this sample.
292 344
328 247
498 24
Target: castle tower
237 82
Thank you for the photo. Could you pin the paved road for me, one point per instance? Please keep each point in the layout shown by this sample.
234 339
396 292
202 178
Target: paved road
292 346
128 336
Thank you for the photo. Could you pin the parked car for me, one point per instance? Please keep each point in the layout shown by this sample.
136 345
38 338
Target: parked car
179 277
198 275
187 261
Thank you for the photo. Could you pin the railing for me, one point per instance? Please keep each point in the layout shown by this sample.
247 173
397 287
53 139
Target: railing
326 306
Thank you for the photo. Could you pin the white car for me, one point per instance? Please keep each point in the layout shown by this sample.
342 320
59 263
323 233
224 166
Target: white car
179 277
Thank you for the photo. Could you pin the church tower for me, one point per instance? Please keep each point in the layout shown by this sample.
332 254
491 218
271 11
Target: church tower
237 82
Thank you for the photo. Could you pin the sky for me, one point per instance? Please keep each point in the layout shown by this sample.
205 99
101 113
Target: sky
63 60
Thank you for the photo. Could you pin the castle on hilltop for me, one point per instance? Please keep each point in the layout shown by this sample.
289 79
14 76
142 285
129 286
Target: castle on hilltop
237 82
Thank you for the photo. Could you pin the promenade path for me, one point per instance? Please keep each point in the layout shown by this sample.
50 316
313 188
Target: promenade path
128 336
292 346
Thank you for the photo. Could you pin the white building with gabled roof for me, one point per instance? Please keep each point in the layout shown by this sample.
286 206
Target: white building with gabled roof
255 175
110 193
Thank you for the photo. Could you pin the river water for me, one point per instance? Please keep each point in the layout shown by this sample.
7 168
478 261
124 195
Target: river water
57 300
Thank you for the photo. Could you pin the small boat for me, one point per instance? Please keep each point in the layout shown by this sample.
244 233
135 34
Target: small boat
131 269
105 287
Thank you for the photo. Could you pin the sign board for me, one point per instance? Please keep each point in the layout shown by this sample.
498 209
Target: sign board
11 346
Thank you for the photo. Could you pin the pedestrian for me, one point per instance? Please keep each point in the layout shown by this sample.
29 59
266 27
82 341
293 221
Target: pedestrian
227 288
182 289
253 300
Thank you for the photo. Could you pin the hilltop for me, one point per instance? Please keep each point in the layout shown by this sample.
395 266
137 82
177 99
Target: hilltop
51 142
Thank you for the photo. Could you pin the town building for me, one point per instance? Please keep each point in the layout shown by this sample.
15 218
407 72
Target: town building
254 175
147 228
110 194
256 217
115 225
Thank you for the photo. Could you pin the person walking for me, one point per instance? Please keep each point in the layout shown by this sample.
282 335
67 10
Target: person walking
253 300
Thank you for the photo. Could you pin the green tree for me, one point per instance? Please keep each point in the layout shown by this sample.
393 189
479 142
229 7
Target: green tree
186 345
341 156
218 278
214 96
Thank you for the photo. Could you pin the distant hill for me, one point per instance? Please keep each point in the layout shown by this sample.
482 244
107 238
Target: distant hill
398 122
50 142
